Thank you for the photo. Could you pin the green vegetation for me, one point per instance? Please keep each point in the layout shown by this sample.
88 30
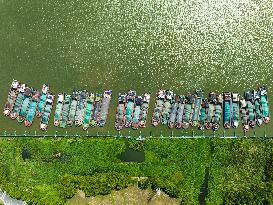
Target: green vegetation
146 46
240 171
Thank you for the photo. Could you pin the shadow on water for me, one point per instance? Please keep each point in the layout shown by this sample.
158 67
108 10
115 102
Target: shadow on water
204 188
132 155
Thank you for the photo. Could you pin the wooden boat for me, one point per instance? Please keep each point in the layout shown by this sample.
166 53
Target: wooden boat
235 110
244 115
58 111
199 94
47 111
13 92
218 112
227 110
144 109
18 102
42 102
160 98
32 108
104 108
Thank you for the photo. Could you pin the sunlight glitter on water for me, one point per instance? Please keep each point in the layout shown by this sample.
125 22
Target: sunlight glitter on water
192 44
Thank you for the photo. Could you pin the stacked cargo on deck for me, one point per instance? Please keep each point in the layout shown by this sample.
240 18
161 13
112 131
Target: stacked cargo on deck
86 109
82 108
24 103
195 109
132 110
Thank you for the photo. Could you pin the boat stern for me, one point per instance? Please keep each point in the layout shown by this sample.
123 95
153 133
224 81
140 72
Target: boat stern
43 126
6 112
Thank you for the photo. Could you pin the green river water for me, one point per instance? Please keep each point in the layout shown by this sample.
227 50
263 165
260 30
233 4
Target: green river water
219 45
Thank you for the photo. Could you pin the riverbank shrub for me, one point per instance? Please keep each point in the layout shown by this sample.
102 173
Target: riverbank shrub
240 170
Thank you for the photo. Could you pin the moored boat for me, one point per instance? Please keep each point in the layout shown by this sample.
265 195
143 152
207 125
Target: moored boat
120 112
32 108
244 115
167 107
75 97
18 102
25 104
258 107
80 108
104 108
174 109
89 106
218 112
144 109
203 113
160 98
137 113
235 110
265 106
42 102
130 106
97 104
59 108
190 100
251 108
13 92
211 111
227 110
65 111
180 111
47 111
197 107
